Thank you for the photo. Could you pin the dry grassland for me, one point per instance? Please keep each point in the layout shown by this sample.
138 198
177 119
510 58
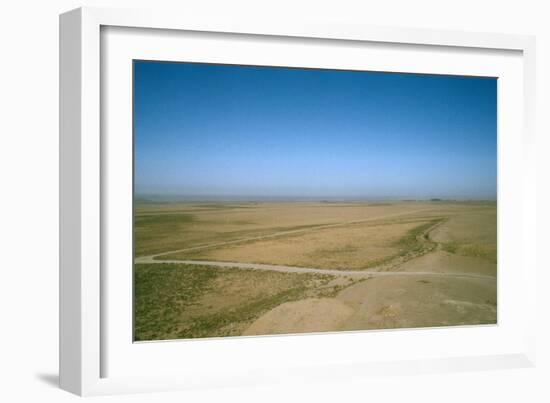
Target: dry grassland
186 301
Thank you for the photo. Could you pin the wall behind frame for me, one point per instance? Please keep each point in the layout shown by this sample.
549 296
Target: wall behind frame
29 202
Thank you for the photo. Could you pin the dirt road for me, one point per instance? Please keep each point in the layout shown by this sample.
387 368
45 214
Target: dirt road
293 269
375 272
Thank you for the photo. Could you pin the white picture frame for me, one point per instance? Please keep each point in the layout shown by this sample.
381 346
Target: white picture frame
85 343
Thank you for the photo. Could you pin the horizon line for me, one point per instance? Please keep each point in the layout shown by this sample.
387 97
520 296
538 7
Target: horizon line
255 198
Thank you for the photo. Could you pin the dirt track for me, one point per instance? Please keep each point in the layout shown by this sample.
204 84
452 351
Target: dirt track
293 269
392 269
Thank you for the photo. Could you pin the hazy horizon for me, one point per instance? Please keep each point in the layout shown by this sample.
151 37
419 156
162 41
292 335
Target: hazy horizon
259 198
218 132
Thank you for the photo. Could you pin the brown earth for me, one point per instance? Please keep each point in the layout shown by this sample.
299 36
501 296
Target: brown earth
450 240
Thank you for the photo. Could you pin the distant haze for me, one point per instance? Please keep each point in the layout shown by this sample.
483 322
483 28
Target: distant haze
236 132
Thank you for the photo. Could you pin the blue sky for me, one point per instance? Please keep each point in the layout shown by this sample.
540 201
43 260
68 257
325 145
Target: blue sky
218 131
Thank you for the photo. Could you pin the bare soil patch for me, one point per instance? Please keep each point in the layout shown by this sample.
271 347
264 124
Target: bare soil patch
308 315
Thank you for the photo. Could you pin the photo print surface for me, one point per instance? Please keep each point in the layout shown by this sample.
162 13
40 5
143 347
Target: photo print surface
276 200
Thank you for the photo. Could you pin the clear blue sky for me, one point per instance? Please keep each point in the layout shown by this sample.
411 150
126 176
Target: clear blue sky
248 132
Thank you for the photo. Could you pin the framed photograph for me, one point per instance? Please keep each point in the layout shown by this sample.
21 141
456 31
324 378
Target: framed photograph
246 202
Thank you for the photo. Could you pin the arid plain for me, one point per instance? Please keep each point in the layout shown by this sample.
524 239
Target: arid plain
253 268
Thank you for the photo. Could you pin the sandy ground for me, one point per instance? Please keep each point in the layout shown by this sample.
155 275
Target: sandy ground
388 302
308 315
405 301
395 302
453 282
443 262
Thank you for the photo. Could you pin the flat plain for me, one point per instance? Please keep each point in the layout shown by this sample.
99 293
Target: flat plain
211 269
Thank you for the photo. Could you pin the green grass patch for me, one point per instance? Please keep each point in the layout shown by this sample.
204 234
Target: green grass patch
477 250
174 301
414 243
451 247
161 292
152 232
418 238
219 323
